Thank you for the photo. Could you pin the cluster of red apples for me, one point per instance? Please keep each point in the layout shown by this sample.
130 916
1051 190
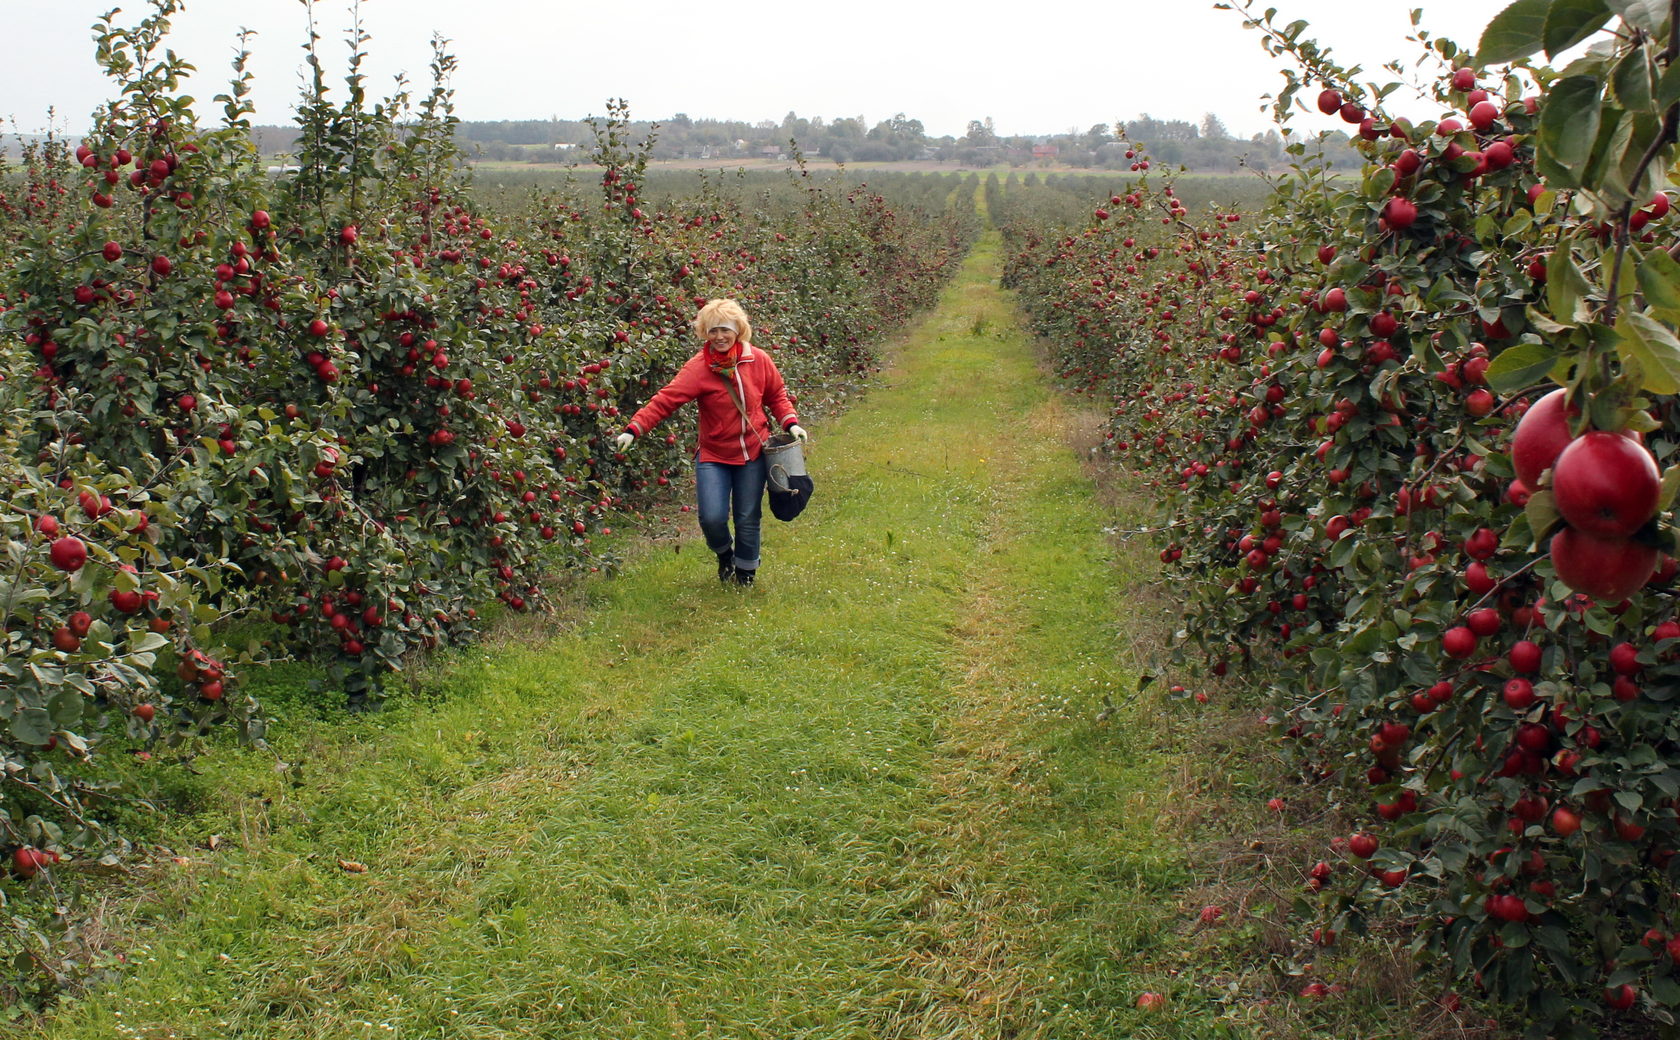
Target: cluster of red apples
1606 487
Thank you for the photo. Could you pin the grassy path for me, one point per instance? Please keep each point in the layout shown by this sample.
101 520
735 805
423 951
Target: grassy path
868 798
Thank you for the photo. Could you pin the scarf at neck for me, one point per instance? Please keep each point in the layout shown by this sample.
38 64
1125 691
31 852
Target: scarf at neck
723 362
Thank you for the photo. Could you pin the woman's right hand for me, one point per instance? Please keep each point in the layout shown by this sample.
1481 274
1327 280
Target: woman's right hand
623 441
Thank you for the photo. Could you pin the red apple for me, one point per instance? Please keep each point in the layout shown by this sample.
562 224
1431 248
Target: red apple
1507 907
1518 694
1400 213
1542 433
1624 659
28 862
1525 656
68 553
1607 569
1484 621
1459 642
1606 484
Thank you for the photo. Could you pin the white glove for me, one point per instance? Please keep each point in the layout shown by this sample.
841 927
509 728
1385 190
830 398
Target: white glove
622 441
799 433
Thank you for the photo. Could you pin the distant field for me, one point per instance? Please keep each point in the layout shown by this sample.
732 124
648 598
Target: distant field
1228 188
911 166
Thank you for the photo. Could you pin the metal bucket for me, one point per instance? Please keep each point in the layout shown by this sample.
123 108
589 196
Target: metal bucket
785 457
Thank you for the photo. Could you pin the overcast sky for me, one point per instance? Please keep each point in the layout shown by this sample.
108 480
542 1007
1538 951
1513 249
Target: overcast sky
1033 66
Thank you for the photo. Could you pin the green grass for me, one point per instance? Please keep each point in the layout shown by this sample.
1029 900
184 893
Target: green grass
869 798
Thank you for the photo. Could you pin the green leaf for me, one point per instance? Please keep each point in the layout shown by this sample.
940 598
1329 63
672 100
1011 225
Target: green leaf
1380 183
1668 87
1514 33
1566 288
1654 348
1659 280
1519 367
148 643
1635 133
1634 79
1641 14
1552 938
32 726
65 707
1609 148
1569 119
1665 991
1627 282
1568 22
1365 641
1542 515
1642 420
1600 622
1670 488
1426 354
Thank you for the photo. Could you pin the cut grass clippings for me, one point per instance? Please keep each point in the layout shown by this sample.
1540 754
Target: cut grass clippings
875 796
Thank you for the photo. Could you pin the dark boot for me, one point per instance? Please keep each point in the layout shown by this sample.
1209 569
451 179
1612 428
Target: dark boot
744 577
726 565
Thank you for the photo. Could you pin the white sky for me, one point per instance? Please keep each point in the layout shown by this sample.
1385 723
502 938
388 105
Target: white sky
1033 66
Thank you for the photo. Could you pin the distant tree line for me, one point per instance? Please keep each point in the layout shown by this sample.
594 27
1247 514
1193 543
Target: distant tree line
1205 146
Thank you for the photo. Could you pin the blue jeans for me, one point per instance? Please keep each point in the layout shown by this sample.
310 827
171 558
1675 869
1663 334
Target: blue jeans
722 491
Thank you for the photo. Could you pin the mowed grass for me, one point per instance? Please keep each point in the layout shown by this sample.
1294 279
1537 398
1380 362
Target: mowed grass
875 796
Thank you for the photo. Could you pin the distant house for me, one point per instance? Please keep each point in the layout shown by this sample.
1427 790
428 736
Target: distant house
1045 151
771 151
564 146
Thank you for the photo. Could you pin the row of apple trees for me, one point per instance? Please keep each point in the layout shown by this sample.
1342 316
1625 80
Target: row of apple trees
342 407
1411 424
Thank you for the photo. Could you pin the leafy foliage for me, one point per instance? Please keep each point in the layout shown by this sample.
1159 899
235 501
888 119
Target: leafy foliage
1326 402
336 412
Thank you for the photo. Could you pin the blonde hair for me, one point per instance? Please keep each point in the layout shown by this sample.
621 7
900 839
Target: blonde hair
719 311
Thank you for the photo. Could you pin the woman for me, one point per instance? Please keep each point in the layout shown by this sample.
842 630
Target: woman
732 384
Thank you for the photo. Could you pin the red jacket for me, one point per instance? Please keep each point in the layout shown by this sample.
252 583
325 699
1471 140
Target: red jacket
724 435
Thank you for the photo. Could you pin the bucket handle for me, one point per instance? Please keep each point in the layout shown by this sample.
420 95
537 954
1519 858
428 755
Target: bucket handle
782 484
